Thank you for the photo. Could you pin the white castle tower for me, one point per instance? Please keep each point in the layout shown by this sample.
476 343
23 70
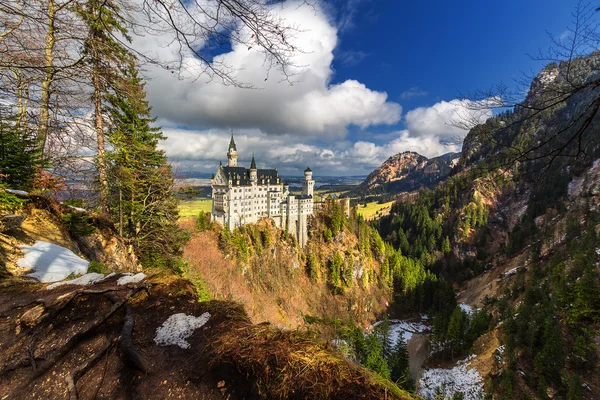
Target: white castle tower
308 184
232 154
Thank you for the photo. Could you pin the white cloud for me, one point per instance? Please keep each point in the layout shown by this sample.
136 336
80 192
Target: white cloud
350 58
311 107
202 149
446 118
290 127
412 93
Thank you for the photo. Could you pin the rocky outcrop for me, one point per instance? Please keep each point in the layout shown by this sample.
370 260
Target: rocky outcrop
406 172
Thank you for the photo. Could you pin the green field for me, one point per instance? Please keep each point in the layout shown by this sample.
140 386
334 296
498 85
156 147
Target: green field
191 208
370 211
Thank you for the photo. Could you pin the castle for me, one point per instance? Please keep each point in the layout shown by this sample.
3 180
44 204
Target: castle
241 196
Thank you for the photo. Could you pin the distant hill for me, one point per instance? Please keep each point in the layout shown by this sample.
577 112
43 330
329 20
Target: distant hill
406 172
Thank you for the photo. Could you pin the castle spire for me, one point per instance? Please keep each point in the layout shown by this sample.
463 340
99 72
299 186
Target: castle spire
232 154
253 163
232 142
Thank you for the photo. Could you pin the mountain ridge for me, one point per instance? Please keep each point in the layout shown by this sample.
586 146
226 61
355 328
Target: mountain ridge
405 172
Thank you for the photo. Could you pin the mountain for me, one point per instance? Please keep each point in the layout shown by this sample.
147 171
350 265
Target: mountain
406 172
515 234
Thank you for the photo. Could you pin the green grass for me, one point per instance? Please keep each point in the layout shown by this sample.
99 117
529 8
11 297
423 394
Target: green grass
191 208
370 211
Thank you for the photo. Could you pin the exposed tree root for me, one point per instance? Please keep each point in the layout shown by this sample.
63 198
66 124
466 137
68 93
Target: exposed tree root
132 356
74 376
131 353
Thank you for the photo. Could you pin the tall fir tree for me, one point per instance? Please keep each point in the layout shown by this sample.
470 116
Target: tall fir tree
20 154
106 58
140 180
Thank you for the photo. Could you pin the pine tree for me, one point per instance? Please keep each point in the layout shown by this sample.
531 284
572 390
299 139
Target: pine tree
375 360
20 155
313 267
139 178
383 333
337 264
398 364
107 59
446 245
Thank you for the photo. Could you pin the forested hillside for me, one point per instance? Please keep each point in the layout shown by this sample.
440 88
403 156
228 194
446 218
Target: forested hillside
517 230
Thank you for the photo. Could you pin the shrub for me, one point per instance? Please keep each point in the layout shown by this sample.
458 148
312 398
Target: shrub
78 224
98 268
9 203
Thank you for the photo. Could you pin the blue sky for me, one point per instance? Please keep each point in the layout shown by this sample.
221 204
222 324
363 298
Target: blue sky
377 77
443 49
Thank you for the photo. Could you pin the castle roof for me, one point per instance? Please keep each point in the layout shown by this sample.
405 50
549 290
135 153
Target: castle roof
242 175
308 169
232 143
253 163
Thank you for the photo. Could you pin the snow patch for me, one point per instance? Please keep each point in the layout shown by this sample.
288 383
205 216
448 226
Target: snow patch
179 327
51 263
404 329
130 278
78 209
87 279
459 379
467 309
19 192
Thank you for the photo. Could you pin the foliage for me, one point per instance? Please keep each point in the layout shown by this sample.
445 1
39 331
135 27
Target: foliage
97 267
20 155
203 221
140 180
78 223
9 203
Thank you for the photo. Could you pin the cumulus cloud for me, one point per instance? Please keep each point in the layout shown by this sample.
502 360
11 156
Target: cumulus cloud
201 150
311 107
291 126
446 118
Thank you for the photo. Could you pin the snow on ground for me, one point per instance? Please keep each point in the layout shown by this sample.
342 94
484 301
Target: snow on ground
13 191
50 262
467 309
130 278
179 327
87 279
459 379
78 209
404 329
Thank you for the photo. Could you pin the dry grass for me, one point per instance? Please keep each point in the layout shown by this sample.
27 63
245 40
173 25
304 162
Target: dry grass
274 286
293 365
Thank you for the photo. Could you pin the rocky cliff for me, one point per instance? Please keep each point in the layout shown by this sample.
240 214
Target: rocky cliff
406 172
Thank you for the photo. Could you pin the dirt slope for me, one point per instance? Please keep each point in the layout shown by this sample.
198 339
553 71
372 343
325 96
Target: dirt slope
48 337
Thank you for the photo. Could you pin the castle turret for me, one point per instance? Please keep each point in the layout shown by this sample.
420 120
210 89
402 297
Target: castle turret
307 183
232 154
253 171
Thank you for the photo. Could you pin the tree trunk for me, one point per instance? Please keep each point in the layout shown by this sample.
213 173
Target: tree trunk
49 43
99 126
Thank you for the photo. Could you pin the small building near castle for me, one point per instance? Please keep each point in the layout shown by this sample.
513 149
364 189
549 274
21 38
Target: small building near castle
242 196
